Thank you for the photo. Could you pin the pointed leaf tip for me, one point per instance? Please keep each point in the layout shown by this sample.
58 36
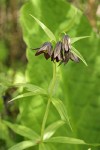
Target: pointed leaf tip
75 39
46 29
78 54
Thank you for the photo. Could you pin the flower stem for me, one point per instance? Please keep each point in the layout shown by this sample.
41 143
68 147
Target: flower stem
51 88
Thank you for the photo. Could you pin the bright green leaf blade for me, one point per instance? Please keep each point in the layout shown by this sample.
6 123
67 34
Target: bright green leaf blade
23 145
67 140
23 131
77 53
36 92
73 40
46 30
61 110
51 129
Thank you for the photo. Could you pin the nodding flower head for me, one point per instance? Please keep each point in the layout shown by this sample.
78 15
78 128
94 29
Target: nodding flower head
62 51
45 49
66 43
57 53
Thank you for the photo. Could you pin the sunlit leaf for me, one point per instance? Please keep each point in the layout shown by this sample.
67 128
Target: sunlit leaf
46 30
77 53
61 110
23 145
73 40
52 128
23 130
67 140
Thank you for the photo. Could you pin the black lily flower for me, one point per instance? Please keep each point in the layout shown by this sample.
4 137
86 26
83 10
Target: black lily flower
62 52
45 49
57 53
66 43
69 56
74 57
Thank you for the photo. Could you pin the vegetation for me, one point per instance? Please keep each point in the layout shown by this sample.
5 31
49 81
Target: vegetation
39 110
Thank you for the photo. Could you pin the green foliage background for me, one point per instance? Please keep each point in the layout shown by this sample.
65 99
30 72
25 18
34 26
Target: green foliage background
78 85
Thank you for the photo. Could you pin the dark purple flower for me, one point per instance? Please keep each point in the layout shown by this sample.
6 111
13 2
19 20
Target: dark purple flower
45 49
69 56
57 53
66 43
62 52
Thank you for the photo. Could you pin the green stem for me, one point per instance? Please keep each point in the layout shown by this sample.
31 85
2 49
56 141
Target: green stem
51 88
52 85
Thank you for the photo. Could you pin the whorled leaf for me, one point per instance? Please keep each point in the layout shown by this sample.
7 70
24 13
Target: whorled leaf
46 30
23 131
73 40
52 128
61 110
77 53
67 140
36 92
23 145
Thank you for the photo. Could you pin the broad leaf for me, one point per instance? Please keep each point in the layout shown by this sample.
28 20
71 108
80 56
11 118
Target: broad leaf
77 53
23 145
61 110
73 40
23 131
46 30
51 129
67 140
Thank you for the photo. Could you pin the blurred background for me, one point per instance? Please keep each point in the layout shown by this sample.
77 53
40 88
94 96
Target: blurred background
79 85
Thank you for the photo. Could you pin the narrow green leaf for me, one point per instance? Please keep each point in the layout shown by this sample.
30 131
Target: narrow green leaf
46 30
51 129
61 110
77 53
67 140
35 92
73 40
23 131
23 145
